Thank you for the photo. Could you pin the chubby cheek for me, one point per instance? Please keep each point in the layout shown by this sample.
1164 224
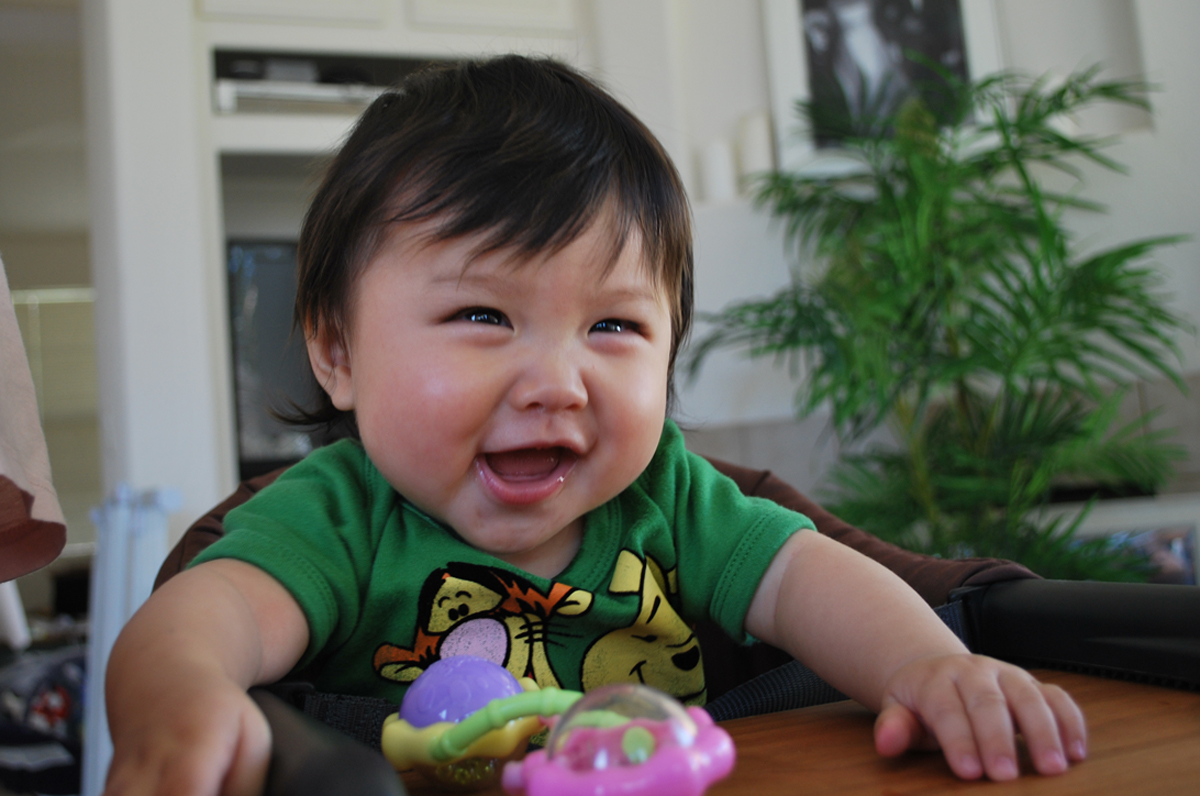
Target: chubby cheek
636 420
422 411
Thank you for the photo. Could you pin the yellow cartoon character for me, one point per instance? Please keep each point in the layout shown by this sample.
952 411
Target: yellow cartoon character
658 649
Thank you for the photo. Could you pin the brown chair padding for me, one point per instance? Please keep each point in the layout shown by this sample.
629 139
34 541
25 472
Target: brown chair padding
726 664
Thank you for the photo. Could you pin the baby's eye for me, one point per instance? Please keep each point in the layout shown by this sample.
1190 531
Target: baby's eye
615 325
482 315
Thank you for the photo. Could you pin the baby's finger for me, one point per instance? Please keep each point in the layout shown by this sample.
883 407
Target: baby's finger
122 781
188 779
1036 720
897 730
991 723
175 775
1072 726
945 716
248 771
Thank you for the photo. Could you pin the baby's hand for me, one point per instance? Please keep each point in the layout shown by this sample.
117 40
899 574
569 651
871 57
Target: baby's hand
972 707
212 740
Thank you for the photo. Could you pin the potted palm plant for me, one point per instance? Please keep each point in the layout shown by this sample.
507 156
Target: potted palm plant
944 296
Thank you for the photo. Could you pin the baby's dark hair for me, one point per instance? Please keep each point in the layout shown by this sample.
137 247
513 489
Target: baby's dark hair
526 152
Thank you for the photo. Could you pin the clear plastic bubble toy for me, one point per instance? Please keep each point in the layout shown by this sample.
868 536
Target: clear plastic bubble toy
626 739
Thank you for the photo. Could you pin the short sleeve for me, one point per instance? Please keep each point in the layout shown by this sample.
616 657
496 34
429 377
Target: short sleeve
724 540
315 530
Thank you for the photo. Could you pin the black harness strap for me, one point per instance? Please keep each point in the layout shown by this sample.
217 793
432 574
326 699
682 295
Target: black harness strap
793 685
359 717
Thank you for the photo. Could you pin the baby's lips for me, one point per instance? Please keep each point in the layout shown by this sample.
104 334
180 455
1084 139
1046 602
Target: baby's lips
527 475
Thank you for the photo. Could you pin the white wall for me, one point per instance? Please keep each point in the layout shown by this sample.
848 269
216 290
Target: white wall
1158 195
163 391
42 175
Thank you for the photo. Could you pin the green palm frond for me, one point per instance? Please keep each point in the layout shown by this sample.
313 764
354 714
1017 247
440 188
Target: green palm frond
944 295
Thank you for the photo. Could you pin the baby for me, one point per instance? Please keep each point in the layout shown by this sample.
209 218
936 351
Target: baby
494 280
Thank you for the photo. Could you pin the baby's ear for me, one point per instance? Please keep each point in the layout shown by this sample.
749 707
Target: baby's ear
330 362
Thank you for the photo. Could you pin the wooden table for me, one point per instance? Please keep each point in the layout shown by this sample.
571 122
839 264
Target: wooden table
1142 740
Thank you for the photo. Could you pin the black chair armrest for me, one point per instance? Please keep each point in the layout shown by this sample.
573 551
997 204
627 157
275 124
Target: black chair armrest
1147 632
310 759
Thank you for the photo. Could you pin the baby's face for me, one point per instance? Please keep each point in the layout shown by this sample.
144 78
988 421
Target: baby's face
506 400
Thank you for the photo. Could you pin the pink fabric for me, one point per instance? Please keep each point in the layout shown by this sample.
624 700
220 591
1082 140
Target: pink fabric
32 531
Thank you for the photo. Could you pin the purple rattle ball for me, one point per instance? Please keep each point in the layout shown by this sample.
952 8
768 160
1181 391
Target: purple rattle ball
453 688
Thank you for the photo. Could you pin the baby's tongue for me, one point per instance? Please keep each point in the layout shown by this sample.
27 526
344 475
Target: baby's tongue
529 463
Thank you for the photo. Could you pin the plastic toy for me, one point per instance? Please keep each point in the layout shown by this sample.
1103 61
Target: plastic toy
464 718
626 739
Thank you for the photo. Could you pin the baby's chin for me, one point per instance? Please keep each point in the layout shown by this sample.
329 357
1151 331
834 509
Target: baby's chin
540 551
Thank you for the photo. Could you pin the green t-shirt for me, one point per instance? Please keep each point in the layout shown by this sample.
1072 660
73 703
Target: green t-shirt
387 590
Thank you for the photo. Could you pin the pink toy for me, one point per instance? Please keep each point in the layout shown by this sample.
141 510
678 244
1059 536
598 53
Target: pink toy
623 740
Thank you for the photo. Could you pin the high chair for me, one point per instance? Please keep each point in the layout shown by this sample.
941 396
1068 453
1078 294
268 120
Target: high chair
999 608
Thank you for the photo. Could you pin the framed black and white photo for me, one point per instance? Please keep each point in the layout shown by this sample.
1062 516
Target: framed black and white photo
851 58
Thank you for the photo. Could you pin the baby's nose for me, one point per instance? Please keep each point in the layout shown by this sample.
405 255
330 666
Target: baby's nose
550 383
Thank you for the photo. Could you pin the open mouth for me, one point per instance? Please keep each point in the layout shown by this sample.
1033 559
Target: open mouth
527 475
525 465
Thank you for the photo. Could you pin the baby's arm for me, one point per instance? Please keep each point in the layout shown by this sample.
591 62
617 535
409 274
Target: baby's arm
871 636
180 718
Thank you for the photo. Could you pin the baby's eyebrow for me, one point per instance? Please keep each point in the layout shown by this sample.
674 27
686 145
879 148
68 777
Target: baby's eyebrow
471 277
500 283
630 294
